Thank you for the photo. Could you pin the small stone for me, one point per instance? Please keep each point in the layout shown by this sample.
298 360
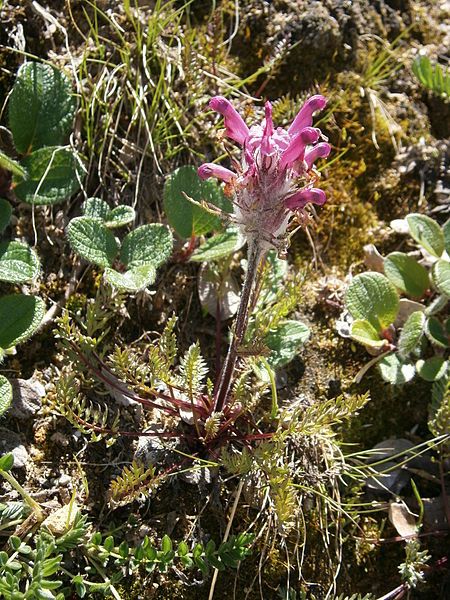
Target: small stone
64 480
27 398
60 521
11 442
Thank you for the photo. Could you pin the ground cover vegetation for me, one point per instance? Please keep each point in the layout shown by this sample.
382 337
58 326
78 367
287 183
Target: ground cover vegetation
224 289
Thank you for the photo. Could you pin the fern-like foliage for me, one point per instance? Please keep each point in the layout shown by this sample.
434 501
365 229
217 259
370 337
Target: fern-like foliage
439 416
193 370
432 76
133 482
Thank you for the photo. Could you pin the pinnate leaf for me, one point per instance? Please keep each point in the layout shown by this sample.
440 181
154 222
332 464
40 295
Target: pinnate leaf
427 233
406 274
20 316
18 262
186 218
149 244
52 176
372 297
92 240
41 107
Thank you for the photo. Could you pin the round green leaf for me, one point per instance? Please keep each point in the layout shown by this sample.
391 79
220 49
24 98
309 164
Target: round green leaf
395 371
5 214
92 240
18 262
440 274
119 216
6 395
364 333
219 246
406 274
372 297
285 342
20 316
149 244
52 176
41 107
96 208
427 233
186 218
436 333
134 280
411 333
433 368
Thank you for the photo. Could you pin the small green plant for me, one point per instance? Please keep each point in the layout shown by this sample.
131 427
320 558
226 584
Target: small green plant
401 315
130 265
432 76
41 110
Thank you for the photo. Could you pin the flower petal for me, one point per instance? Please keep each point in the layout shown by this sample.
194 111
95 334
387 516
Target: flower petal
321 150
304 117
267 146
235 126
302 198
297 146
208 170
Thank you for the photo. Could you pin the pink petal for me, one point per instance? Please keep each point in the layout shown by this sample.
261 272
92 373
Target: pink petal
208 170
236 129
267 147
302 198
297 146
304 117
322 150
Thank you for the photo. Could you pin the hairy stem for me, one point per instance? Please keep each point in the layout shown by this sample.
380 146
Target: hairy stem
226 376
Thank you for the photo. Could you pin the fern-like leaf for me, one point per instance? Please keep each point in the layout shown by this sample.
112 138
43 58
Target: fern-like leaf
134 481
193 369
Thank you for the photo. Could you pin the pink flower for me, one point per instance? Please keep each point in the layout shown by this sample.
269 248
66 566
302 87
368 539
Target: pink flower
276 177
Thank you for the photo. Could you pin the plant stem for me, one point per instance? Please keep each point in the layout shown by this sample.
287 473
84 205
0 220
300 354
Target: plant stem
254 256
35 507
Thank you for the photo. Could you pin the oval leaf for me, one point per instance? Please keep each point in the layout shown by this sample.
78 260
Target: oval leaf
406 274
436 333
372 297
186 218
119 216
6 395
7 461
41 107
427 233
52 176
411 333
20 316
440 275
285 342
446 232
18 262
12 166
219 246
364 333
134 280
147 245
433 368
92 240
96 208
395 371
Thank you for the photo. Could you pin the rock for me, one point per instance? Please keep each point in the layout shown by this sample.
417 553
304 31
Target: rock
27 398
11 442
